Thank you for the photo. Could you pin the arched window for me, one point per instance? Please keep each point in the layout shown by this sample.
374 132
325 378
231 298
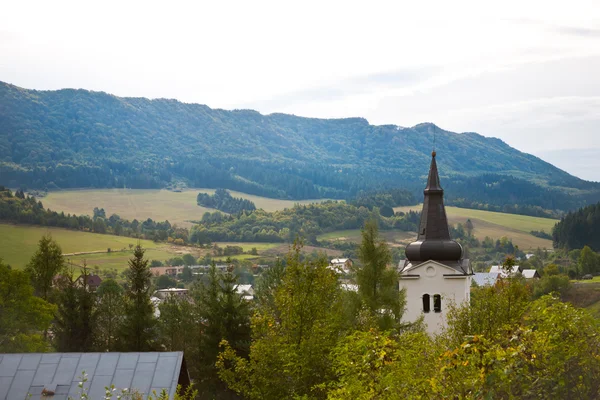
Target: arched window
426 303
437 303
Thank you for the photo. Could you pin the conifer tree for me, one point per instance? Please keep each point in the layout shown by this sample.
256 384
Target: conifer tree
109 315
223 315
44 265
74 323
137 332
377 283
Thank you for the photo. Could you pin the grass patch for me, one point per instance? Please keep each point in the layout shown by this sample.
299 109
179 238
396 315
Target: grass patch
344 235
141 204
19 242
247 246
496 224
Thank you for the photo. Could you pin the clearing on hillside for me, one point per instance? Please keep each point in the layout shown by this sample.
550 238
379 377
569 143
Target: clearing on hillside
496 225
19 242
159 204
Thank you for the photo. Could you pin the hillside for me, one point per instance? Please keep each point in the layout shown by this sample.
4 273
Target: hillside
78 139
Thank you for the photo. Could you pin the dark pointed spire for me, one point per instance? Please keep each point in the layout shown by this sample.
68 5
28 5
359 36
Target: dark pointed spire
434 223
433 241
433 181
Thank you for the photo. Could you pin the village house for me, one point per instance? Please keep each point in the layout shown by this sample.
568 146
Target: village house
93 282
246 291
168 270
342 265
527 273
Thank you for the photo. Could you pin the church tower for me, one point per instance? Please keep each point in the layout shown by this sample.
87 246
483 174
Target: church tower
434 272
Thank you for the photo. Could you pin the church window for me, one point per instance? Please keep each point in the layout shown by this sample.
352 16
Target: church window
437 303
426 303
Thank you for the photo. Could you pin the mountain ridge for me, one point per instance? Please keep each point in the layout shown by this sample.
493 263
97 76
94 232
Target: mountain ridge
80 138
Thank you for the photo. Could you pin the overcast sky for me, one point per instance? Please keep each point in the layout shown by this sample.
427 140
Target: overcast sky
525 71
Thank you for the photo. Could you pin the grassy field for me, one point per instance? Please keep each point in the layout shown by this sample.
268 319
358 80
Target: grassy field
496 225
393 238
19 242
160 205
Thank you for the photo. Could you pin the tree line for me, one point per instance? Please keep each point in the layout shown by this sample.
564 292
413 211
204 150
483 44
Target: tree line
222 200
306 221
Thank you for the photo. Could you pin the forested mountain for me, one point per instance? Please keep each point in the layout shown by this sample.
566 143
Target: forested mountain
77 138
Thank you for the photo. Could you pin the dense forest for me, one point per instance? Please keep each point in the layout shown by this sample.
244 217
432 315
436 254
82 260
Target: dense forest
579 229
222 200
384 200
77 138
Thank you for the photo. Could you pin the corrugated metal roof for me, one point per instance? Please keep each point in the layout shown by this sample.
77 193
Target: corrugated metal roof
22 375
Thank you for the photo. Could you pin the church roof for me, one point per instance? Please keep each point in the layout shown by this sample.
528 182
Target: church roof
433 240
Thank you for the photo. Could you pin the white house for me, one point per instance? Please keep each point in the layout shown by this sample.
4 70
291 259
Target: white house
247 291
527 273
341 264
434 273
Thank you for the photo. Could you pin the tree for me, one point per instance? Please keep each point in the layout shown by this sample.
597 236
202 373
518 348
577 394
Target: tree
469 227
377 284
110 309
23 316
177 324
588 261
224 315
75 319
188 259
292 339
137 330
44 265
165 282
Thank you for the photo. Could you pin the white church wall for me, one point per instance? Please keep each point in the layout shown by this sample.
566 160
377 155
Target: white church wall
432 282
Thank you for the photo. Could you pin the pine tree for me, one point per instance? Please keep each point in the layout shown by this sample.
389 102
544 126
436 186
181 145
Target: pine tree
45 264
137 331
109 315
222 314
378 284
75 318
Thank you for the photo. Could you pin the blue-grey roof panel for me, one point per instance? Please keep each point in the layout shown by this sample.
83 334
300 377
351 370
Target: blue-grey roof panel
107 364
50 358
30 361
5 382
128 360
23 374
20 385
164 372
9 364
44 374
123 378
66 371
97 388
